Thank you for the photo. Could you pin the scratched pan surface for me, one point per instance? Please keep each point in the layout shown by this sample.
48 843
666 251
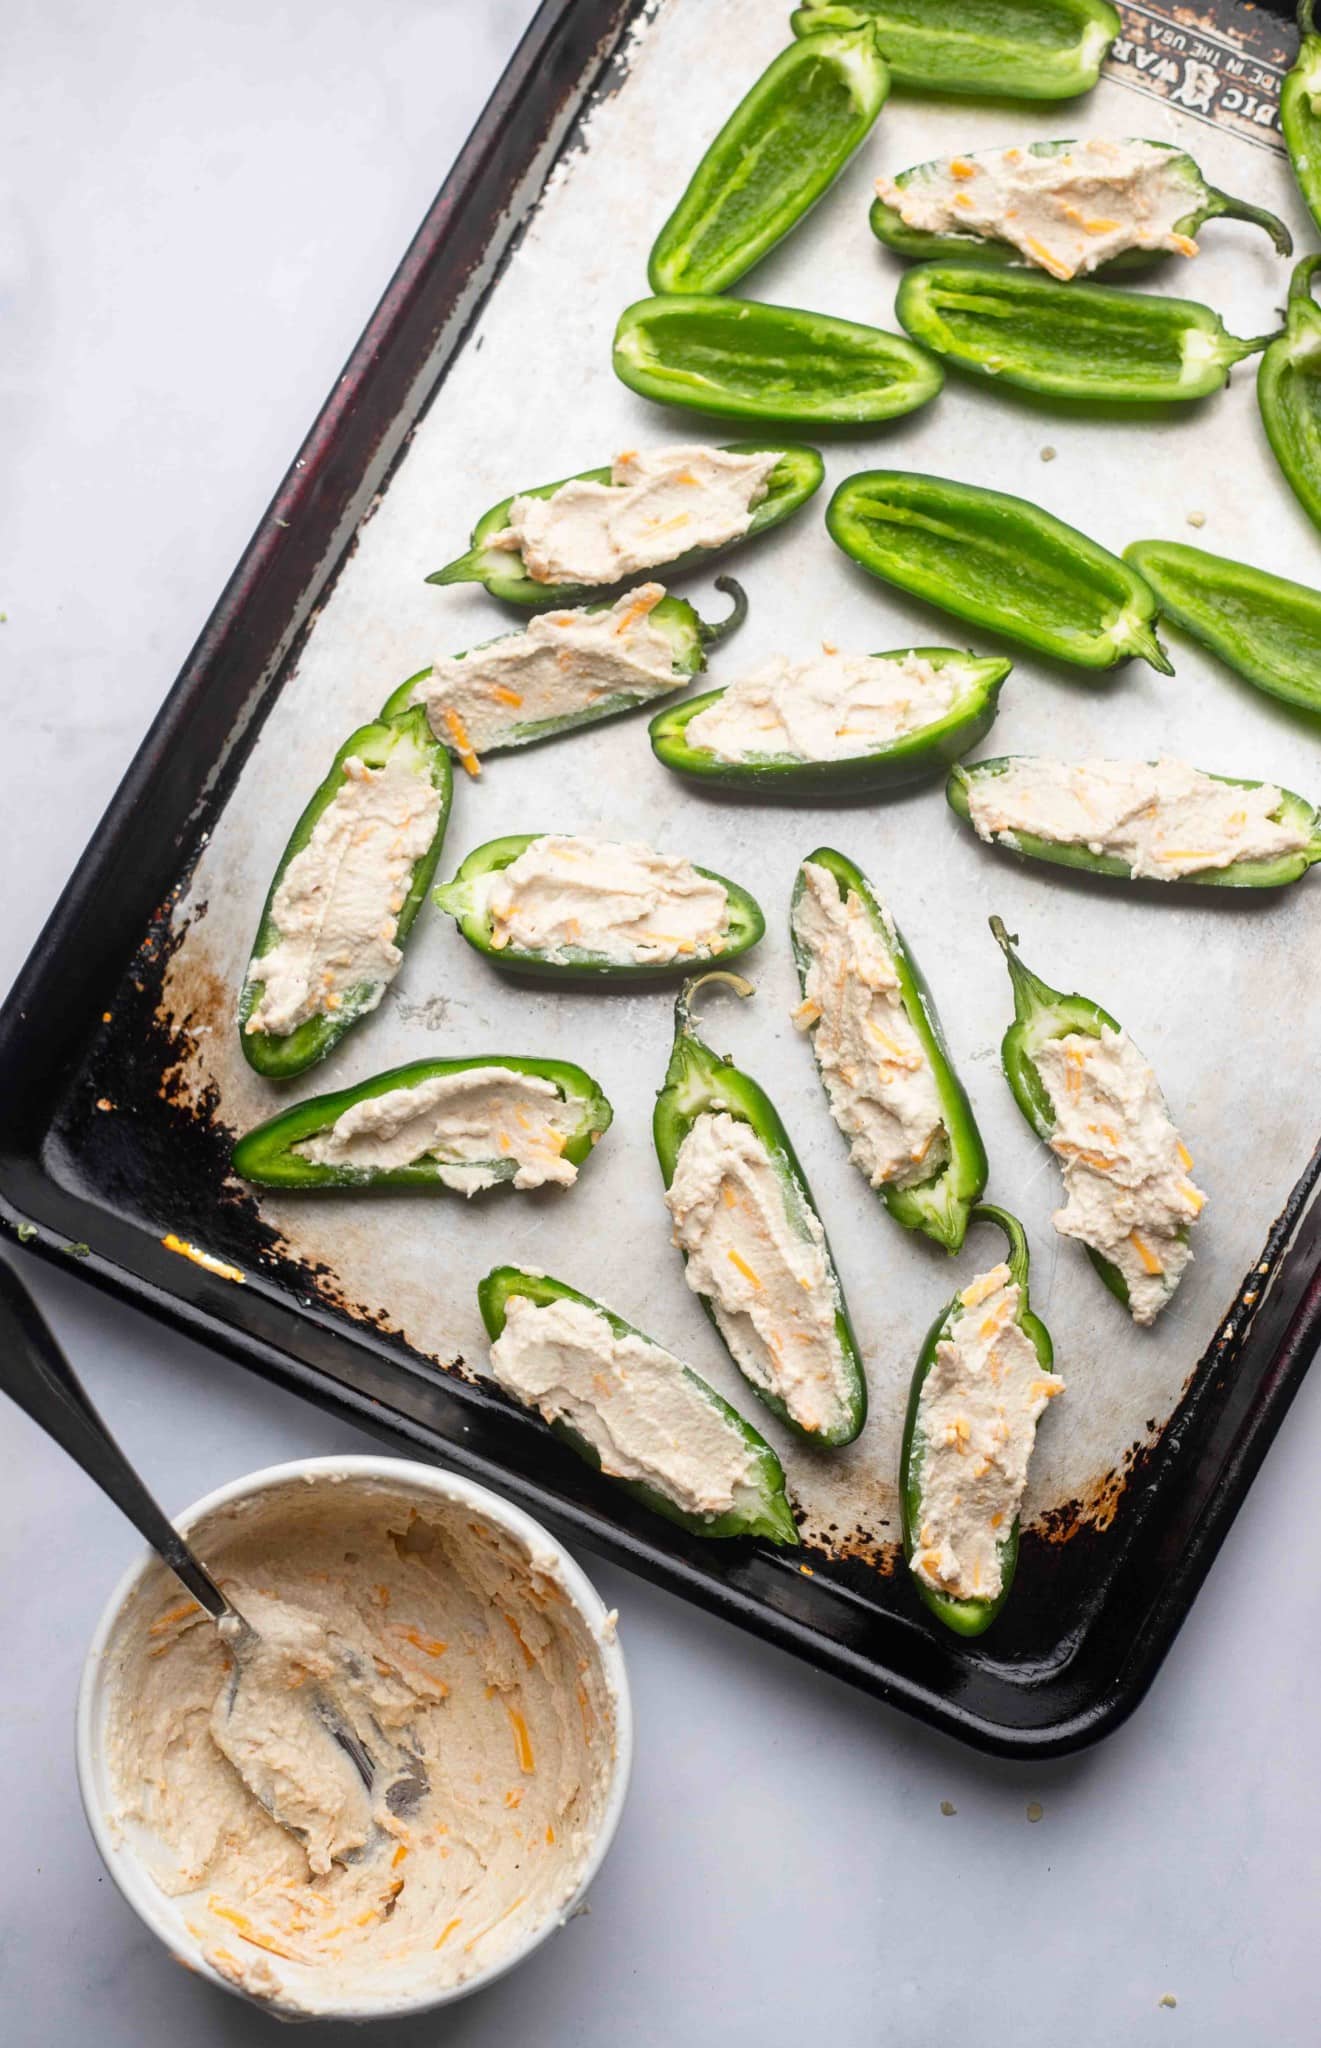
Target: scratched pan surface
123 1082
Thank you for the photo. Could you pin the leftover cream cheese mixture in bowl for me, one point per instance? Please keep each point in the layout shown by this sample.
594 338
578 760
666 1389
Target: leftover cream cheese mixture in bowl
480 1654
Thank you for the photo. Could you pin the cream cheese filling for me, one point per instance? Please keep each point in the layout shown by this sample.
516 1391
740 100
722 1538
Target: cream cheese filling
472 1662
644 1416
660 503
1164 818
337 907
495 1124
1127 1173
758 1256
1066 213
879 1082
827 709
619 901
977 1414
565 664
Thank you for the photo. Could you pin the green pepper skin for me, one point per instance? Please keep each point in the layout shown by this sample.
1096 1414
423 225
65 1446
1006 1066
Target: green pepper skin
780 150
790 484
1041 1013
1289 392
998 562
689 636
1205 202
1300 112
770 1517
266 1155
280 1058
1045 50
939 1207
744 360
928 751
1267 629
1068 340
965 1617
746 924
1240 874
698 1080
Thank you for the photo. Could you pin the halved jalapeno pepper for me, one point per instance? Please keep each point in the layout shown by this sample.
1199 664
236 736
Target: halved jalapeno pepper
275 1154
1266 628
742 360
967 1616
406 740
760 1507
1069 340
940 1204
1289 392
926 751
1266 873
791 483
688 634
1205 203
999 562
466 901
1011 49
782 147
699 1084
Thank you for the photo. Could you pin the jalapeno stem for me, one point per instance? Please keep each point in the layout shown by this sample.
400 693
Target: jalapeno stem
683 1007
986 1212
1300 284
1227 207
1306 22
711 635
1029 989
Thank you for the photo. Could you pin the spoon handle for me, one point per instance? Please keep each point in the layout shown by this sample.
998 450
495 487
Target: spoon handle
35 1373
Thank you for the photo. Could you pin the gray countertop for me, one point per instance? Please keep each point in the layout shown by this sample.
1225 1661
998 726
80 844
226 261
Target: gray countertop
198 207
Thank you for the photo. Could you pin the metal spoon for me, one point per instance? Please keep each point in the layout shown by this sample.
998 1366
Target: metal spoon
35 1373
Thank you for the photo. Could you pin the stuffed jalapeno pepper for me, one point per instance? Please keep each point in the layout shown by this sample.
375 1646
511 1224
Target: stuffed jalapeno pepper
881 1052
1087 1092
660 508
782 147
462 1125
1014 49
1267 629
571 906
1289 392
1064 207
349 884
837 724
1069 340
985 1377
1150 821
735 358
569 669
754 1250
631 1409
999 562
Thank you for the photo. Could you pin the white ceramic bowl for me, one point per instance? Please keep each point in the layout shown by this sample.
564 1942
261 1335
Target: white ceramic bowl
165 1916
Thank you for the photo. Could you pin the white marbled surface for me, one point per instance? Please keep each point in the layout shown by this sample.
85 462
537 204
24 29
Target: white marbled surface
198 206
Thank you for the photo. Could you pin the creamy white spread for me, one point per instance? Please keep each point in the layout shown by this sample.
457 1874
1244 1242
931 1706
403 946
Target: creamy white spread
1065 213
618 901
758 1256
1163 819
337 907
827 709
493 1123
879 1081
646 1418
1127 1172
659 504
471 1677
565 664
977 1414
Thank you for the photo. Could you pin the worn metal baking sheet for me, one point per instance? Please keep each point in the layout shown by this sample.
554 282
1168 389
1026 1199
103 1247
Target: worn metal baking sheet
1220 994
